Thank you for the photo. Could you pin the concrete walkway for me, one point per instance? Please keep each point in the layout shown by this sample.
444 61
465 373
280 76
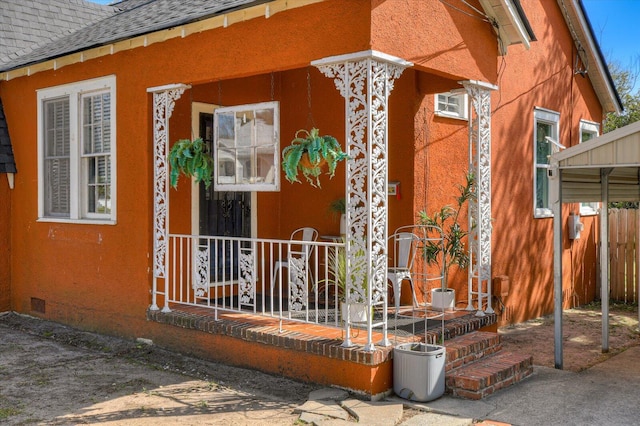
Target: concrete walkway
606 394
51 374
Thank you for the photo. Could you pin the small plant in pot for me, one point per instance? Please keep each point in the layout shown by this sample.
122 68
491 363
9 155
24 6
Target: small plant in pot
453 250
192 159
337 262
311 154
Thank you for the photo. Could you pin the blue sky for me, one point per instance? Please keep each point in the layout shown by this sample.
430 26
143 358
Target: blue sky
615 25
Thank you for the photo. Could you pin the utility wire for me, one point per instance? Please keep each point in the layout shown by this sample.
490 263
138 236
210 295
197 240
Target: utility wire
482 16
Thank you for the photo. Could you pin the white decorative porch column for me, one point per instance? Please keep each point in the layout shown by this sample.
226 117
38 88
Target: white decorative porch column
365 80
480 210
164 98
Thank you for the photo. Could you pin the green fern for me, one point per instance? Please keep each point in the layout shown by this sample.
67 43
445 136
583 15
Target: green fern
191 159
318 148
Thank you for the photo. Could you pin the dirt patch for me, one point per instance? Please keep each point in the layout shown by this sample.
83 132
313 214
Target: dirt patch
53 374
582 336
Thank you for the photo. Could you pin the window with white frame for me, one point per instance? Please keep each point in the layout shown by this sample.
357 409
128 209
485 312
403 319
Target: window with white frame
545 142
588 131
247 147
452 105
76 151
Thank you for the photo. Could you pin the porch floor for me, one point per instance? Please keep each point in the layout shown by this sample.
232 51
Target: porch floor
309 352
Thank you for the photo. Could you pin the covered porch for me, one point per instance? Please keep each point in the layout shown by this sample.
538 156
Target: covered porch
231 285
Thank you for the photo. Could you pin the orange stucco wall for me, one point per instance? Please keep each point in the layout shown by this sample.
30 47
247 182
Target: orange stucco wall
522 245
83 271
438 37
99 276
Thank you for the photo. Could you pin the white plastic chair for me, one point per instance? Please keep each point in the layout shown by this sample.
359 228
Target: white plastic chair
297 251
404 251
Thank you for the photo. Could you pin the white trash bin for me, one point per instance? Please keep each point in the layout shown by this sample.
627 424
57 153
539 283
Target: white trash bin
418 371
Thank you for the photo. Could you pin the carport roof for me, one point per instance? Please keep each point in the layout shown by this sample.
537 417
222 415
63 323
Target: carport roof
616 153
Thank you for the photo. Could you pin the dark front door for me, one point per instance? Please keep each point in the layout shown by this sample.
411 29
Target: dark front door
226 214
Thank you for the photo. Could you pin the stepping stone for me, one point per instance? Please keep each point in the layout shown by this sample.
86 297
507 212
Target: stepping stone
323 408
374 413
437 419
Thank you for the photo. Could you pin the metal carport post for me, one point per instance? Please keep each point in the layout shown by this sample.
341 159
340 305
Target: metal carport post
603 169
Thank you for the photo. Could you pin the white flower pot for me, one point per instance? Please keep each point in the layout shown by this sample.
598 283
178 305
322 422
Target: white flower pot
443 299
358 312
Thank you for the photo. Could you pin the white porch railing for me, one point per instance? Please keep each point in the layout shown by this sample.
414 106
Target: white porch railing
292 280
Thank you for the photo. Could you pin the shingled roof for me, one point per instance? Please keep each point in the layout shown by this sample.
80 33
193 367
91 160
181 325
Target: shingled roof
27 25
131 18
7 163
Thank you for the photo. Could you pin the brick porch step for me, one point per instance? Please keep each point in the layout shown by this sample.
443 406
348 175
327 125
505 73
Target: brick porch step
483 377
469 348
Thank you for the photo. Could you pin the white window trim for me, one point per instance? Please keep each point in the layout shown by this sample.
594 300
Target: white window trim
589 209
465 106
250 187
553 118
74 92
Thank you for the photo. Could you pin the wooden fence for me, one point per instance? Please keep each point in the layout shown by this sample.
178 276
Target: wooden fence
624 260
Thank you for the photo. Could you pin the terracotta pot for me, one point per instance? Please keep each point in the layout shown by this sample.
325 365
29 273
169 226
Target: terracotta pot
306 163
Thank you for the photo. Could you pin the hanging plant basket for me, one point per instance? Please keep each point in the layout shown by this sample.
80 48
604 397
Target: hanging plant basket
190 158
311 155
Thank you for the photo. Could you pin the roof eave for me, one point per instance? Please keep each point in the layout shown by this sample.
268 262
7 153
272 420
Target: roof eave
601 80
219 19
512 24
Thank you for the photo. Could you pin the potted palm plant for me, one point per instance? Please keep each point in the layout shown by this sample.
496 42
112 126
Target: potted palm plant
309 154
192 159
453 250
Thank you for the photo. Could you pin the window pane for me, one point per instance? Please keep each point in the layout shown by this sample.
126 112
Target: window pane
264 127
96 124
246 146
265 165
56 176
56 157
245 165
226 166
542 188
226 135
586 135
451 104
543 147
56 128
96 116
244 128
98 184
